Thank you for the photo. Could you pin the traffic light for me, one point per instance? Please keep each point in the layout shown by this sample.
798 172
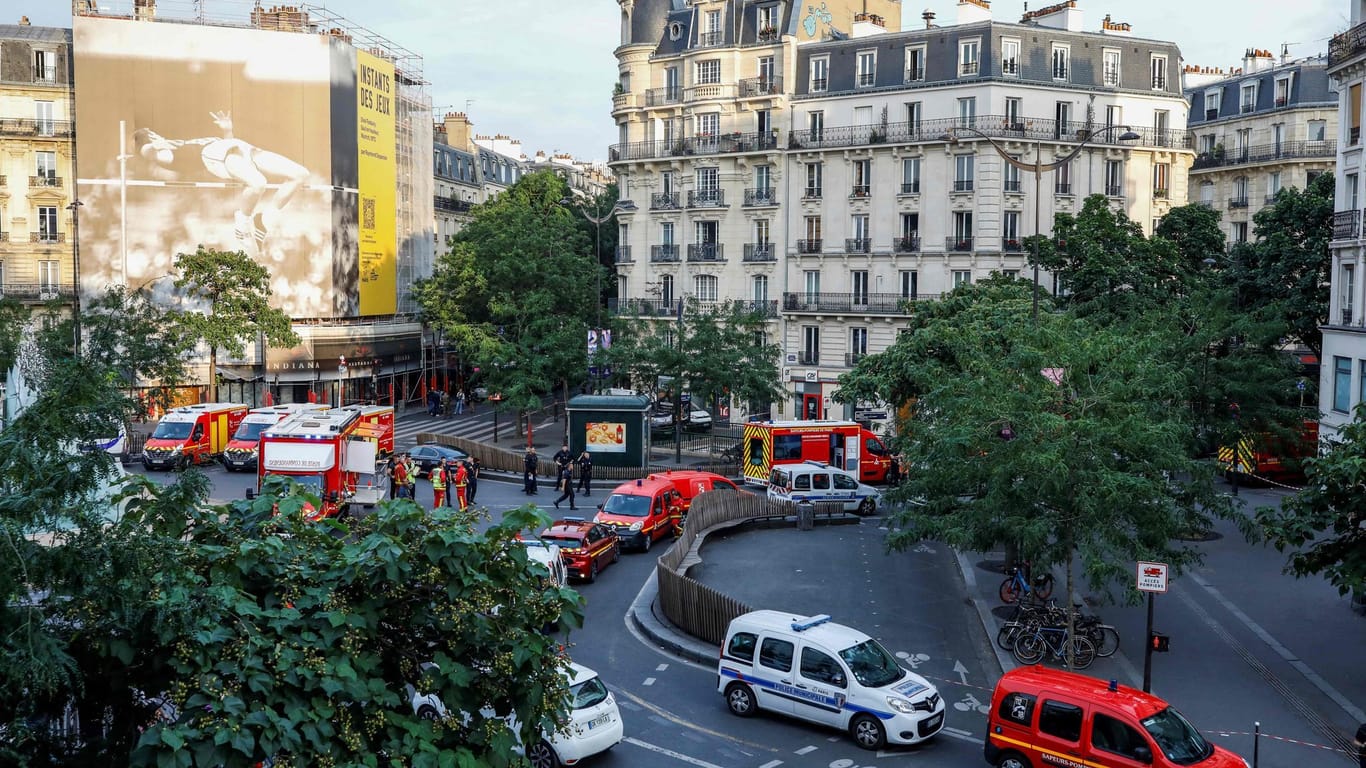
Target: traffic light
1233 411
1159 642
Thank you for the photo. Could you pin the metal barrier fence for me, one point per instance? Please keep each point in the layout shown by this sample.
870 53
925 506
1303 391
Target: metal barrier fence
696 608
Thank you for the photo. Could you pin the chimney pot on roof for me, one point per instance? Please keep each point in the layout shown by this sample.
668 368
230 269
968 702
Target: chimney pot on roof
23 21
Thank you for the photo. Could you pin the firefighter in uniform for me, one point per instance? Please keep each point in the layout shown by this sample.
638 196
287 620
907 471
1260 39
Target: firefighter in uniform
438 476
410 467
462 479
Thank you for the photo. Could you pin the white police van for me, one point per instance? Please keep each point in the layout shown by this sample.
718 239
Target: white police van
816 481
813 669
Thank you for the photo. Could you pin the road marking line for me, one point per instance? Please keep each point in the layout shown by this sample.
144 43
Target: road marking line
670 753
661 667
958 731
963 736
772 764
806 750
649 681
676 720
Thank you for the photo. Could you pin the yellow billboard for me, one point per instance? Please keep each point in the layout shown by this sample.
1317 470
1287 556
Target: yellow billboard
376 162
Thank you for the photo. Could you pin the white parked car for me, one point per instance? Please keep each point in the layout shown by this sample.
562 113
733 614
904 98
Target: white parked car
594 721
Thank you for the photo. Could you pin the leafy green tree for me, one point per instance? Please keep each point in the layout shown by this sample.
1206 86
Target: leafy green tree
1060 435
127 333
716 351
302 638
1285 270
516 291
235 293
605 238
1324 524
13 317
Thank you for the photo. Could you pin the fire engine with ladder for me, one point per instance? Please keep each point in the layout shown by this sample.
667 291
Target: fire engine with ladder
332 453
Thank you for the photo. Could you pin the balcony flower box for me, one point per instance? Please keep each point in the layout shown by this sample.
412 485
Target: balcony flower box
1013 245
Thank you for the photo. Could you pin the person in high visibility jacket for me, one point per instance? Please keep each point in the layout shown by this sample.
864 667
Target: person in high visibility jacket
462 480
438 476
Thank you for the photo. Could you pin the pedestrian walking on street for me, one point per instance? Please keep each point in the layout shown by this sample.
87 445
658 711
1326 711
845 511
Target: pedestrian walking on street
566 486
585 473
433 402
438 478
472 470
459 402
529 466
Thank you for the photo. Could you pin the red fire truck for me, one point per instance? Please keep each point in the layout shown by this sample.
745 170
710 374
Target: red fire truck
846 445
326 451
377 426
241 452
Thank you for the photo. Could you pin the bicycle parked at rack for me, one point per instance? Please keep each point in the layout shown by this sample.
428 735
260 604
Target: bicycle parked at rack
1029 615
1019 583
1031 647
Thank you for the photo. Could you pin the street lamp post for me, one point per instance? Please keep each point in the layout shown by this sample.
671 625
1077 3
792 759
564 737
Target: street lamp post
597 218
1038 167
75 208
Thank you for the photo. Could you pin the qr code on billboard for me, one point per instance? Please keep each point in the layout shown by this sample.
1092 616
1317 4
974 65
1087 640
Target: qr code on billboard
367 219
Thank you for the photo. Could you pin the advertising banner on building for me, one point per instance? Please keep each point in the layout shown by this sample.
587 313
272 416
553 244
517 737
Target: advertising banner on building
378 183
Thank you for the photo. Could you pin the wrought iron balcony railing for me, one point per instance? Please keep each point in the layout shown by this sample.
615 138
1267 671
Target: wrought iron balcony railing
1161 193
664 253
710 39
707 198
906 243
642 307
811 193
658 97
1011 245
858 245
845 303
851 358
1062 188
1237 202
958 244
760 86
1263 153
1114 190
761 196
910 187
860 190
664 201
20 126
866 79
1346 45
37 291
624 254
1346 225
760 252
47 237
808 246
1012 185
962 185
705 252
995 126
720 144
44 180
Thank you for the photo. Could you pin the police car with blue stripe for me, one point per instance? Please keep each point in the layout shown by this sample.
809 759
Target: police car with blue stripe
818 482
813 669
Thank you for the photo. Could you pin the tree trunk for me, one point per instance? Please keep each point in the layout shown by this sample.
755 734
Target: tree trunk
213 374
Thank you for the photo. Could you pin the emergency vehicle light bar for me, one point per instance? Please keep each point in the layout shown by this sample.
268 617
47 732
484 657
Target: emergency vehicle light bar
814 621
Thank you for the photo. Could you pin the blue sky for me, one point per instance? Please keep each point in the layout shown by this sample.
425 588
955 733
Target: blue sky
542 70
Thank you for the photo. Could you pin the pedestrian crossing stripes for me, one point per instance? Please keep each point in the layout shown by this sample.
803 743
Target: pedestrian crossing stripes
480 429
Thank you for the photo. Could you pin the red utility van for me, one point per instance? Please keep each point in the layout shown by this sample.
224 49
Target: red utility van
845 445
1041 716
191 434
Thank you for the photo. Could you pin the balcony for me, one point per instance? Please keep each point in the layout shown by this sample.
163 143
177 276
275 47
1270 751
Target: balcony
1159 82
766 309
1011 245
451 204
811 193
1346 45
851 358
1271 198
1114 190
866 79
1161 193
705 252
1346 316
968 69
642 307
751 87
1062 188
809 357
761 196
767 34
1012 185
860 190
664 201
858 245
1263 153
44 180
663 254
37 291
659 97
18 126
1354 137
722 144
1237 202
623 255
760 252
710 39
1212 114
1247 108
1010 67
808 246
906 243
962 185
1280 101
707 198
994 126
961 244
819 84
910 187
915 74
845 303
1346 225
1110 77
49 238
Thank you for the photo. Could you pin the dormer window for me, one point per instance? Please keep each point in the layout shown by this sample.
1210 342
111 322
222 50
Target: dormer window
1282 91
1213 101
1061 60
1248 99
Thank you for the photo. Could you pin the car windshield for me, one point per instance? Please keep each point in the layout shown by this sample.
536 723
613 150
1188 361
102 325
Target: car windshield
590 692
872 665
173 430
250 430
1177 738
565 542
627 506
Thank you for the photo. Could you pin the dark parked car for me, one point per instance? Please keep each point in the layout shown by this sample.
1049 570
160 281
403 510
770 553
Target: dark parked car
427 457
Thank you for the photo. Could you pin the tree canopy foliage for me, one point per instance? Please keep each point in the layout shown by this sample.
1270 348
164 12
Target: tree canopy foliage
516 292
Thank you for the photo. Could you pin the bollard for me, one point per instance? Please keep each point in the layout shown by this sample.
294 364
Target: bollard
1256 741
806 516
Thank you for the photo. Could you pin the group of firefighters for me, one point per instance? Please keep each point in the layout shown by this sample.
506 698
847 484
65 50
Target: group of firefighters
462 476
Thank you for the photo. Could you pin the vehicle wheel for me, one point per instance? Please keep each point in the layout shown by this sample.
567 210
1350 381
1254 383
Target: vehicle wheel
1044 587
1028 648
648 541
616 553
184 463
1009 591
428 712
740 700
867 507
542 755
868 732
1012 760
593 571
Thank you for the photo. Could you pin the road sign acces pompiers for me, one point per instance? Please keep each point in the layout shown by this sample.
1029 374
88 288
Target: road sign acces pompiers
1151 578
